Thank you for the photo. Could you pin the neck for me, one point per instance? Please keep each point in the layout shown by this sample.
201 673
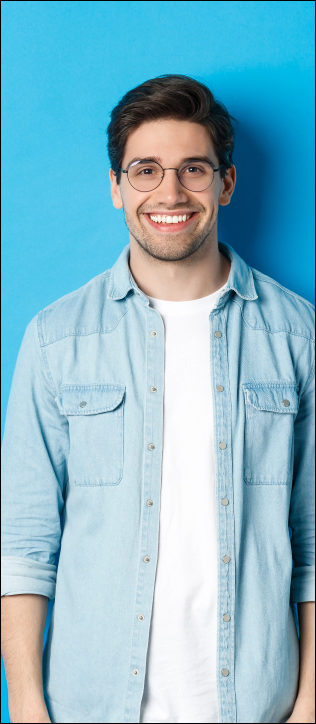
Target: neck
199 275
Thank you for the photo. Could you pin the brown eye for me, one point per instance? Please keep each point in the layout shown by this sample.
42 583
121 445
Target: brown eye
193 170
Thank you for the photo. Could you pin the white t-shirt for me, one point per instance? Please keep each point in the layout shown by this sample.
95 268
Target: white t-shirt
180 682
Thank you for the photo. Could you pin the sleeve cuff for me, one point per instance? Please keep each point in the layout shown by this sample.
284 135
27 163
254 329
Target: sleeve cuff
303 584
24 575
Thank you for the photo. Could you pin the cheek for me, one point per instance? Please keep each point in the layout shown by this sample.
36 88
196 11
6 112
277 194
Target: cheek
210 204
133 202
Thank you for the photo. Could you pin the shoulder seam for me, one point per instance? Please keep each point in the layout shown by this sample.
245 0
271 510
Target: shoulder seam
74 293
269 280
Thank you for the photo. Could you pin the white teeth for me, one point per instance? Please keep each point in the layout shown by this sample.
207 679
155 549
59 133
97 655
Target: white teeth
169 219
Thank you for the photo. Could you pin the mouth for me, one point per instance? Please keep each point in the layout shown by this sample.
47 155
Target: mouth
171 222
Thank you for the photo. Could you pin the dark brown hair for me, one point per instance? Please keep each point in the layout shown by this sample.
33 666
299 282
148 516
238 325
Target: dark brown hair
170 96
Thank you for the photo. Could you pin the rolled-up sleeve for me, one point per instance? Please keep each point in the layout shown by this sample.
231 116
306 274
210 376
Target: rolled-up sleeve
34 474
302 507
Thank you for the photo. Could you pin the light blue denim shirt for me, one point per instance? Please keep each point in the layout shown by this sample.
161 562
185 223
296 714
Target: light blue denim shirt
82 457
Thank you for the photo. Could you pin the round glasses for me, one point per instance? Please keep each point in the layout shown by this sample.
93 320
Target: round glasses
146 175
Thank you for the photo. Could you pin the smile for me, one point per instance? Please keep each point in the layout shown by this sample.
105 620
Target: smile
170 219
170 222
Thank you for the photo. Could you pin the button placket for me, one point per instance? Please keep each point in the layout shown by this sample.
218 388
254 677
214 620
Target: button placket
224 497
150 482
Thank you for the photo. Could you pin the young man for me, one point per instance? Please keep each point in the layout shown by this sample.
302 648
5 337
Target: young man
165 409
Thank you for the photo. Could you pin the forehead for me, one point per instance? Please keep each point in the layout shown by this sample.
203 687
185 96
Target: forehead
169 139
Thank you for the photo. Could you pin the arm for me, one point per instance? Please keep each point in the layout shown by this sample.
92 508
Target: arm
22 631
302 522
304 710
34 475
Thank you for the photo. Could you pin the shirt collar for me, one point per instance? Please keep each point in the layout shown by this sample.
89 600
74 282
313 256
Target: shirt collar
240 277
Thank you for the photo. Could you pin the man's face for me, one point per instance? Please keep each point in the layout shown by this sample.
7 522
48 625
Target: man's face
171 142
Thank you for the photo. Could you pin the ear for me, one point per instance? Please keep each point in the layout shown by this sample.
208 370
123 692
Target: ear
115 191
228 185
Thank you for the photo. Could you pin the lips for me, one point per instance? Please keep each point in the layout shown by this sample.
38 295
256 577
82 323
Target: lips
170 226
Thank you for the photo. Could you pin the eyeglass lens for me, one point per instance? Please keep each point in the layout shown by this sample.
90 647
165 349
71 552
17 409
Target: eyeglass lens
146 176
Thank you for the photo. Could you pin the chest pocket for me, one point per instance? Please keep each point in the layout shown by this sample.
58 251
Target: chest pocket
269 432
95 416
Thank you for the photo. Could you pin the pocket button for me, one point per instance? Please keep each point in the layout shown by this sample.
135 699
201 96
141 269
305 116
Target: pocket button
286 403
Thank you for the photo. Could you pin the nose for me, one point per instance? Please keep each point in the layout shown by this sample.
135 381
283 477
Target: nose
170 191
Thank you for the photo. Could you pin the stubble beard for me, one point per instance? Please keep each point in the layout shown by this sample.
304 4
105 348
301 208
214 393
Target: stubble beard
169 248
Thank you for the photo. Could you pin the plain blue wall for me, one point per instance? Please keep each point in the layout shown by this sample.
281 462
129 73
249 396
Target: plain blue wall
65 64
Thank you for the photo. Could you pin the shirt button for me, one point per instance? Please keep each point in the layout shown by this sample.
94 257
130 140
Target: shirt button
153 389
135 672
226 617
285 403
218 334
141 617
224 501
151 446
146 559
82 404
222 445
220 388
153 333
225 672
149 503
226 559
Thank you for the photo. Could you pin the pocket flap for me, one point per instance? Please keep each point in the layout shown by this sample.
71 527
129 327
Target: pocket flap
272 397
89 399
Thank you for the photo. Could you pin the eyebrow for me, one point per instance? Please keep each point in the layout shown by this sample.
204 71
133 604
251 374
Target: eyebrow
157 159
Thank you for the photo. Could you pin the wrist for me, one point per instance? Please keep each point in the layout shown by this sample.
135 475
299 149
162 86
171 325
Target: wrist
32 709
305 703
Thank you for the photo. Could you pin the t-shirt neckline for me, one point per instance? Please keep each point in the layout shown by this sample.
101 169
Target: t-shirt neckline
191 306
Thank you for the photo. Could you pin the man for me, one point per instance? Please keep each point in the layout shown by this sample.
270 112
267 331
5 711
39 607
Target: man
165 409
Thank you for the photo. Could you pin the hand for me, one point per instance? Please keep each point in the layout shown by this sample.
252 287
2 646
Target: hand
303 713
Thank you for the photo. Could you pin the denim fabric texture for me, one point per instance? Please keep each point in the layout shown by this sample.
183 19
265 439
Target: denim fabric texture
82 456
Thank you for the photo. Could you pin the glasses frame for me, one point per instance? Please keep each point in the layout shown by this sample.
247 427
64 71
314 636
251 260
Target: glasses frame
169 168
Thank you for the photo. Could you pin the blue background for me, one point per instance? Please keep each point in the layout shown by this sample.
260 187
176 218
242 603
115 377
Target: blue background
64 66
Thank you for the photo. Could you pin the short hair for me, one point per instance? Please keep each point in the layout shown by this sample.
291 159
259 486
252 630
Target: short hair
170 96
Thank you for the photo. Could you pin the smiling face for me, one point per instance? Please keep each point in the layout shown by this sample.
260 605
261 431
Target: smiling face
171 222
